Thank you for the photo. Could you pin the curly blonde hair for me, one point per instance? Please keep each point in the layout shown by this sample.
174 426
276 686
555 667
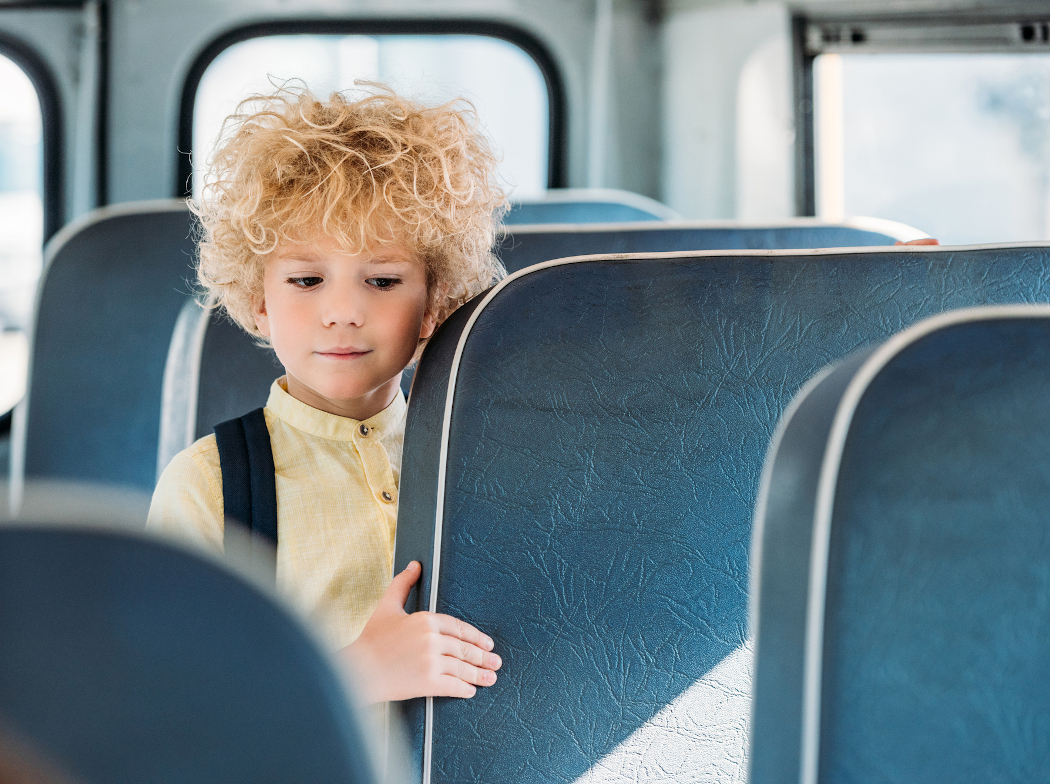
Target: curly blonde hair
367 172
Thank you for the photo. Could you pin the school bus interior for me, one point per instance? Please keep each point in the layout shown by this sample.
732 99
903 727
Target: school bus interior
742 490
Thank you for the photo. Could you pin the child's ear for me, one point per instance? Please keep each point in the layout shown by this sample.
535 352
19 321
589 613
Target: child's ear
262 320
429 325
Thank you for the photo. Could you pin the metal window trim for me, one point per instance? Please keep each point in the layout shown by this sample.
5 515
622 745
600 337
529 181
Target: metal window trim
917 34
35 66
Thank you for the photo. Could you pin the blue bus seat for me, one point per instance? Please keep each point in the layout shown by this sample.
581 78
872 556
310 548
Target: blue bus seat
588 205
112 289
127 659
215 371
581 462
900 562
523 246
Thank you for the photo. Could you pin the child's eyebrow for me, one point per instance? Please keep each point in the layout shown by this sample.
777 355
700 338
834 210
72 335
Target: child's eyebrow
309 256
389 260
297 255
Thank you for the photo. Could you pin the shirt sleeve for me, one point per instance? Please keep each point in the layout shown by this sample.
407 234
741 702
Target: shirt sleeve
187 502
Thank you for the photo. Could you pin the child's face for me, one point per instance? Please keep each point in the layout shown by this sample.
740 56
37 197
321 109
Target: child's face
344 326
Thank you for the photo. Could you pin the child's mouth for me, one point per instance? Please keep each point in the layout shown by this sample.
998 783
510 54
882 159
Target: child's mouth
343 353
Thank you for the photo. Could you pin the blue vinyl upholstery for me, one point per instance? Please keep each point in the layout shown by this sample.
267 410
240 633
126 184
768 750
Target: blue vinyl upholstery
608 425
523 246
124 660
215 371
935 647
111 293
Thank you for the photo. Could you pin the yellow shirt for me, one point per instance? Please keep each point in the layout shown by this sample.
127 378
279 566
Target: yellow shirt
335 526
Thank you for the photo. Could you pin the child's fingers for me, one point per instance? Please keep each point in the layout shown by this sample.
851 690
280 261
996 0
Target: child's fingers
468 673
448 686
454 627
466 652
459 679
923 241
397 592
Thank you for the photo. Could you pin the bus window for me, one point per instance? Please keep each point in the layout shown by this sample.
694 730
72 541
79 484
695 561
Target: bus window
503 82
955 144
21 224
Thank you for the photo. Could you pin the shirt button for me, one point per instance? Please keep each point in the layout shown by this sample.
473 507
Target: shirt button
388 497
364 430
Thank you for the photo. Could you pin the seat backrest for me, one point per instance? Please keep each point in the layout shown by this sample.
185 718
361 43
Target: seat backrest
215 371
111 291
582 458
588 205
127 659
901 555
523 246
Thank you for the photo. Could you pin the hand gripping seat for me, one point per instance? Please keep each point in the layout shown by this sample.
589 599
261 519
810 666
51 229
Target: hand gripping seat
523 246
900 562
125 659
582 458
112 288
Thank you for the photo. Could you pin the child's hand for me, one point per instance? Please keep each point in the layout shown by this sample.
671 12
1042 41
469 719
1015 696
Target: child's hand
399 656
923 241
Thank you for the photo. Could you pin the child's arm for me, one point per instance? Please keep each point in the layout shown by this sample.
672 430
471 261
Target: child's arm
399 656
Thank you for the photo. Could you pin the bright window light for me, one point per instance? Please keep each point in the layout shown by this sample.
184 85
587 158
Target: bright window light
503 82
957 145
21 224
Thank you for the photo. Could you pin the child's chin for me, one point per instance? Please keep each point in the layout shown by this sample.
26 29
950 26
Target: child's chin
350 392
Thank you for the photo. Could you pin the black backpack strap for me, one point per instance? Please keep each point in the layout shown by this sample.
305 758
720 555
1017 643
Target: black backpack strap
249 484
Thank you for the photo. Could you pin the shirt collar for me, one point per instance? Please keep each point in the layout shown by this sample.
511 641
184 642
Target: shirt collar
336 428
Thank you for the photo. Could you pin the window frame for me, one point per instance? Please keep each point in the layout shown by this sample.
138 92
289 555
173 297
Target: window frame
814 35
44 82
524 40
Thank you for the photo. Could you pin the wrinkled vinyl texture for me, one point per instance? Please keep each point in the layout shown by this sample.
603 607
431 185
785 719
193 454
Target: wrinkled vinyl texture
607 436
125 660
937 641
521 247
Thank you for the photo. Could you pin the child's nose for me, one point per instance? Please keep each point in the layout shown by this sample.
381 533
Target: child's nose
344 309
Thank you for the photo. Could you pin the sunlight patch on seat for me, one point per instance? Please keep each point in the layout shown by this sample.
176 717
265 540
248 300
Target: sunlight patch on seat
700 738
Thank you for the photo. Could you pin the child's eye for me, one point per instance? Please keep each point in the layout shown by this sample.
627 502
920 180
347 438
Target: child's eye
305 282
382 283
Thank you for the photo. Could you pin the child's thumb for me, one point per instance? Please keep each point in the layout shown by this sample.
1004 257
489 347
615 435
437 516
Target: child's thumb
402 583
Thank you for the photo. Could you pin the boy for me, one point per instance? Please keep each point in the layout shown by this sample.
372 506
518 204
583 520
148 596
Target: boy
342 233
